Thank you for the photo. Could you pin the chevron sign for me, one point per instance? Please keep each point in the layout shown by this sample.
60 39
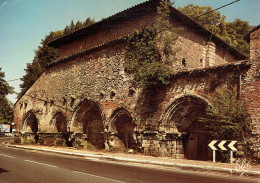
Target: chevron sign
224 145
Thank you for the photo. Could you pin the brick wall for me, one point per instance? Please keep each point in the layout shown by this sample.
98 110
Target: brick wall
251 82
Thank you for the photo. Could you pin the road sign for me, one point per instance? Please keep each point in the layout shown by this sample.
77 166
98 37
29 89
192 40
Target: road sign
231 146
211 145
223 145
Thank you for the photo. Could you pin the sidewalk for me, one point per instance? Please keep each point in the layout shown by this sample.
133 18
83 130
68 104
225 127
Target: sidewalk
242 168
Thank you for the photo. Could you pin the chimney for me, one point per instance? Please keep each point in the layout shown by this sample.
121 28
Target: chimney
209 54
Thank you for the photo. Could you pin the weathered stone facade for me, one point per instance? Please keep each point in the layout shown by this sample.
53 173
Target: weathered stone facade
250 86
86 97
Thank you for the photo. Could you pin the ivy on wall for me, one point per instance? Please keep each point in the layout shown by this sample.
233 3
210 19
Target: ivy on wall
150 53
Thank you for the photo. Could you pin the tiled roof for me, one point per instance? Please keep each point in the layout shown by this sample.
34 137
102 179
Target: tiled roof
129 13
101 24
237 65
115 41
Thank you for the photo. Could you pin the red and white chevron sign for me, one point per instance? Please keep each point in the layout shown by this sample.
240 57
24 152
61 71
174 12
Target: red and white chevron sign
225 145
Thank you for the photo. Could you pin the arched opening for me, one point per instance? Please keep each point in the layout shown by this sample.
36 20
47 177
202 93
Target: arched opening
30 123
89 120
60 123
123 127
183 117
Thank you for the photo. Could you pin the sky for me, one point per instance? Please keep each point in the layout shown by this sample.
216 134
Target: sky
23 23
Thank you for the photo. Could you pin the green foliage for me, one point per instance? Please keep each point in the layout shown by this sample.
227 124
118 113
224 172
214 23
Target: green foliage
150 53
6 108
5 89
32 73
73 27
231 32
143 58
44 56
228 119
236 31
213 21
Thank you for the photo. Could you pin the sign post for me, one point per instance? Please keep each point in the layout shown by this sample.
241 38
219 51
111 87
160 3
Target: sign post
211 145
231 157
224 146
214 156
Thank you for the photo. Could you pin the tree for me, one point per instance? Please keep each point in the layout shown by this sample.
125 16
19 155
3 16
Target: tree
231 32
213 21
78 25
88 22
228 118
6 109
236 31
5 88
32 73
44 56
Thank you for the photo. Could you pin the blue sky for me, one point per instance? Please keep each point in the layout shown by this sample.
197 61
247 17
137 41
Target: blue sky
23 23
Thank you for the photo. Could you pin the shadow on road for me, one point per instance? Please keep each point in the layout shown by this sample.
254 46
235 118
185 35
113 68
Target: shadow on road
3 170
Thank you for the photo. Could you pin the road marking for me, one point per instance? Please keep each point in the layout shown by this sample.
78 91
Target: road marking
41 163
93 159
6 156
98 176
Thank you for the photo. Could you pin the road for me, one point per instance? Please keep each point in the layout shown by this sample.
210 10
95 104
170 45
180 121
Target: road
21 166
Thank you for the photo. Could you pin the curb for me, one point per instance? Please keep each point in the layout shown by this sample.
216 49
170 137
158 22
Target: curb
177 165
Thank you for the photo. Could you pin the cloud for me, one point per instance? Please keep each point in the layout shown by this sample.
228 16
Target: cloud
3 4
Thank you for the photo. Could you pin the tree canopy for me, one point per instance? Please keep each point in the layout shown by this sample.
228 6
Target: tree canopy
231 32
6 108
228 119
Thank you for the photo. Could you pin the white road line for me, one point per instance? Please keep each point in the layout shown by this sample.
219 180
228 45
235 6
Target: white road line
41 163
6 156
99 176
93 159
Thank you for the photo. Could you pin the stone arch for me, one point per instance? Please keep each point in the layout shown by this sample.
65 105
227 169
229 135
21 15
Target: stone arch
182 117
59 123
122 126
88 118
30 123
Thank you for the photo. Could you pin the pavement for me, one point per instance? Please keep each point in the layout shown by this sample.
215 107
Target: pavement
243 168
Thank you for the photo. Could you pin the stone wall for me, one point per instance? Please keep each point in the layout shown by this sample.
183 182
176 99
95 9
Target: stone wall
87 100
250 87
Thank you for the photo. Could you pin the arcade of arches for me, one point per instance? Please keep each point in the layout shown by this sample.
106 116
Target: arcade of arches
182 135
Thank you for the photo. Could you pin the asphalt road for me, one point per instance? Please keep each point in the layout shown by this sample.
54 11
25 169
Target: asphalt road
21 166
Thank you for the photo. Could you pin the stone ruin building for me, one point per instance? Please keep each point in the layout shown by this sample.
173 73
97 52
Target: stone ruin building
87 99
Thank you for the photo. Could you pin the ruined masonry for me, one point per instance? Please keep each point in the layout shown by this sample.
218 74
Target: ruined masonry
86 99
